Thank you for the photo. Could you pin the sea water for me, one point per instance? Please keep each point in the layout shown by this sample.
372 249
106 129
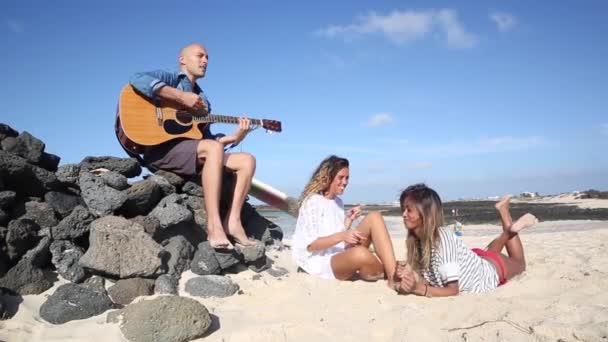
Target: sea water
283 220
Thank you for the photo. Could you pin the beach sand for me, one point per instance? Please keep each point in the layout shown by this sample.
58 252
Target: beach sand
563 295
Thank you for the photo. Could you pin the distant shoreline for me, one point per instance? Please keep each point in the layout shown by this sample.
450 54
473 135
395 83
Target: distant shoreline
483 211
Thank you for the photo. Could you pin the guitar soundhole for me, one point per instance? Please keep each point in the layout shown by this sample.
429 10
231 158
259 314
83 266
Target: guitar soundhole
183 117
173 127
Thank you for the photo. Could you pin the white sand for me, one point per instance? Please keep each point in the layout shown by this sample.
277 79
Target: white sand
562 295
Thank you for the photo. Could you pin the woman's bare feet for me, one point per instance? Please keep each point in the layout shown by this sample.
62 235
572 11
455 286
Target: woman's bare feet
503 204
526 221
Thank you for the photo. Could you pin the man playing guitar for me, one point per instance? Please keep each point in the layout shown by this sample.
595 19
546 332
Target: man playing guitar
187 157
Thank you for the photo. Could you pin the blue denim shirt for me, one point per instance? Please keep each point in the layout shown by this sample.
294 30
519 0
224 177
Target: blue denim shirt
148 83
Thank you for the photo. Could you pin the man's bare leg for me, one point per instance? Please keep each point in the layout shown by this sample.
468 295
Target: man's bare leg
212 153
243 165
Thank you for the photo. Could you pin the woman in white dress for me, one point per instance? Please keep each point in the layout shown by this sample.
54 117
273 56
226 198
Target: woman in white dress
324 243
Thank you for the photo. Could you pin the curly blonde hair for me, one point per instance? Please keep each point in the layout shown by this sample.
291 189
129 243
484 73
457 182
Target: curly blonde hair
322 177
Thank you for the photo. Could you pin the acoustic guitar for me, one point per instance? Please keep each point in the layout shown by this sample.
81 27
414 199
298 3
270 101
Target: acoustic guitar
142 122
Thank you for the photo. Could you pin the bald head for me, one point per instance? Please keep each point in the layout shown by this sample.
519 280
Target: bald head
193 60
189 48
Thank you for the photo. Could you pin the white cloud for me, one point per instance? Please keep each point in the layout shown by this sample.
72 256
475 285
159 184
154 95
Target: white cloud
604 129
457 36
402 27
379 120
504 21
14 26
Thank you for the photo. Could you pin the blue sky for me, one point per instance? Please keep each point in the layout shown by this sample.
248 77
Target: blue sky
477 99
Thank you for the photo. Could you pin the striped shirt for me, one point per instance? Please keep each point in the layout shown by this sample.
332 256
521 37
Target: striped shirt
451 261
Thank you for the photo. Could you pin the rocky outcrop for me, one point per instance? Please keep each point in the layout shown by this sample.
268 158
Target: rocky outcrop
86 221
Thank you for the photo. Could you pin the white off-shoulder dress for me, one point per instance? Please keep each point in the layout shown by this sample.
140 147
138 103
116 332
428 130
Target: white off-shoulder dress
318 217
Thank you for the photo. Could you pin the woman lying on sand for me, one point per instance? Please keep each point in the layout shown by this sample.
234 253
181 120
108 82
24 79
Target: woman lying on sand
447 266
324 245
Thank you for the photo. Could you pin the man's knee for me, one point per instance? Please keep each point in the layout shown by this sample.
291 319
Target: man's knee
249 161
209 147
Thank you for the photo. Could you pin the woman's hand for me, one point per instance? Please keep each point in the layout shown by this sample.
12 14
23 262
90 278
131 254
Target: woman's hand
354 237
409 280
351 215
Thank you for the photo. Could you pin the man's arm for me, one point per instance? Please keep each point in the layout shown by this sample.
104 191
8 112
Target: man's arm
150 82
162 84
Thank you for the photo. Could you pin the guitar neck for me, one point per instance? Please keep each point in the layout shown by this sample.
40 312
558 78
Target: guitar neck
218 118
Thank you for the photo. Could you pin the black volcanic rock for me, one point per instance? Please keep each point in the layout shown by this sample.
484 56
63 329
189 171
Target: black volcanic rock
101 199
49 161
142 197
211 286
73 226
68 173
63 202
180 253
7 131
24 178
166 318
204 261
115 180
65 256
128 167
121 248
125 290
71 302
21 236
41 213
25 145
7 198
28 276
172 178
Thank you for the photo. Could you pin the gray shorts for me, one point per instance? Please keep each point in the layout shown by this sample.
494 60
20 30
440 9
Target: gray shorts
177 156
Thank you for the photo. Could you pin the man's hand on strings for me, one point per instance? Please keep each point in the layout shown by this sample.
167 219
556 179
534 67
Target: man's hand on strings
242 130
193 101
